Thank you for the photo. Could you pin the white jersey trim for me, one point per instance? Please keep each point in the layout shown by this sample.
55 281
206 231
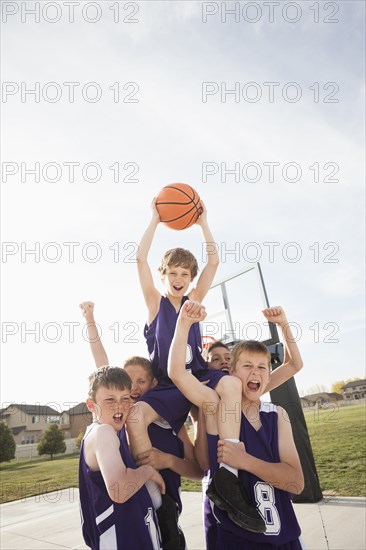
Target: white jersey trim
108 539
268 407
163 424
104 514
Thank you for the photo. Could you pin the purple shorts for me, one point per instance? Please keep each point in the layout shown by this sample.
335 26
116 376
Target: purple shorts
170 403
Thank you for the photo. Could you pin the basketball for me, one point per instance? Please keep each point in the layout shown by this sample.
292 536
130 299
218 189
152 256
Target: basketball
179 205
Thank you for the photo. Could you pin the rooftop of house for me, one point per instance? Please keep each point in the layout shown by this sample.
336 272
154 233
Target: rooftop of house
354 384
323 395
81 408
38 409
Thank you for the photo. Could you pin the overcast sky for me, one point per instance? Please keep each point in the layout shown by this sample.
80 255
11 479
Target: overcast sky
261 111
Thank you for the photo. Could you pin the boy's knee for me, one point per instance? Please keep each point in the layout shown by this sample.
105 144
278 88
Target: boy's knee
229 384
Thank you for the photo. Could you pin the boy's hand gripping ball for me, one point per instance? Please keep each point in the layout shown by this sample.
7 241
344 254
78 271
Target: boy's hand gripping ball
179 205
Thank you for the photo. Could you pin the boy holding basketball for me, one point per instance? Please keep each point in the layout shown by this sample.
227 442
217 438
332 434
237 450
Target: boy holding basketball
269 464
178 269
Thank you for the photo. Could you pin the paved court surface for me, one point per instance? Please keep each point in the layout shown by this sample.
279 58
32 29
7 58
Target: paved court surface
51 522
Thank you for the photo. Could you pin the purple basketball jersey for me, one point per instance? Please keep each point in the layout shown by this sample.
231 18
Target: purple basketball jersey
159 336
165 398
107 524
273 504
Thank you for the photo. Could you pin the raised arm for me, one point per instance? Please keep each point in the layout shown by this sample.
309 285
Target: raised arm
192 389
286 474
187 466
151 295
209 271
292 359
96 346
121 482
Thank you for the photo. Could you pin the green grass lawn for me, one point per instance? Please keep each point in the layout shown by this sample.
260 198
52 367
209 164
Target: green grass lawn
23 479
337 437
338 440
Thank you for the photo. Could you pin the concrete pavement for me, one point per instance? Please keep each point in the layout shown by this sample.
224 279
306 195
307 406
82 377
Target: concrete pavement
51 521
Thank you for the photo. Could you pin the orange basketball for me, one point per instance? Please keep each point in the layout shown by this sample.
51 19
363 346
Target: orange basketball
178 205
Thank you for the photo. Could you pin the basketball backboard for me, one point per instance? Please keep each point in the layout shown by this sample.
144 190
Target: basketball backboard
234 309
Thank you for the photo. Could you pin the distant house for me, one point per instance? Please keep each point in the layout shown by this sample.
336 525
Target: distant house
75 420
320 399
28 422
354 390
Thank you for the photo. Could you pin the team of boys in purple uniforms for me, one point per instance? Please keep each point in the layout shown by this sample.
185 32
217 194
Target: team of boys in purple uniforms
163 410
178 269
